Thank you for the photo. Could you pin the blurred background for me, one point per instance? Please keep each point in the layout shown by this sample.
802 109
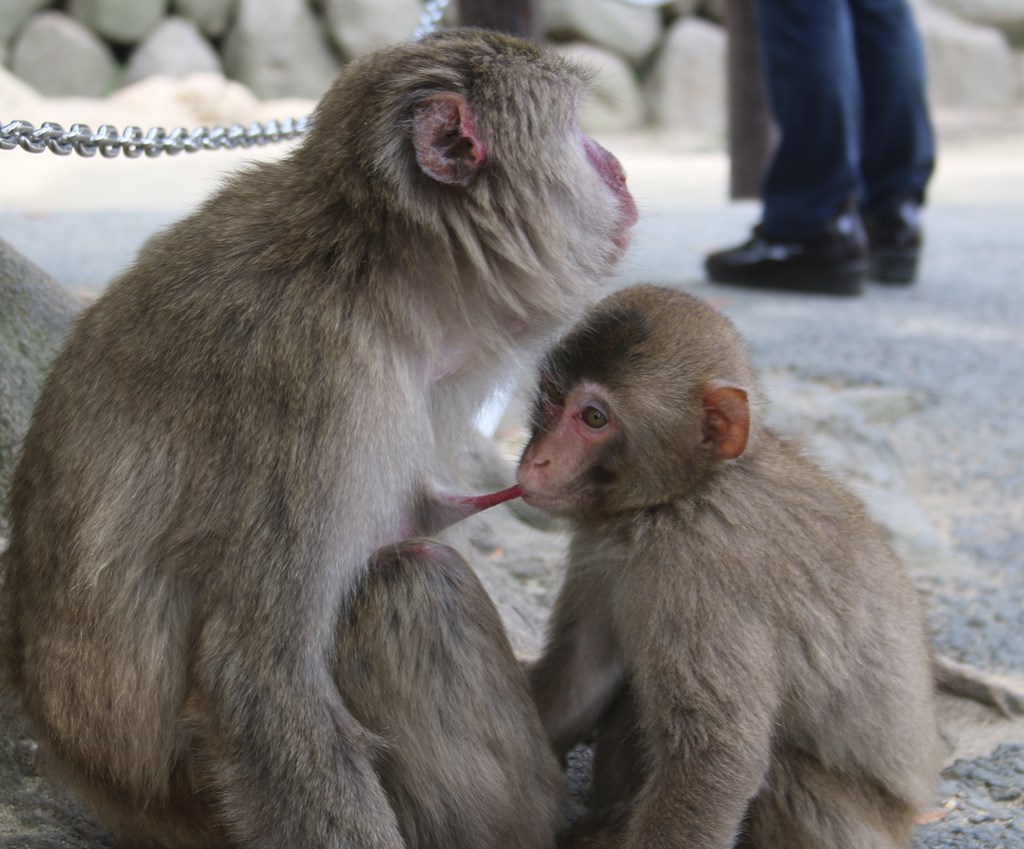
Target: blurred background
669 80
657 66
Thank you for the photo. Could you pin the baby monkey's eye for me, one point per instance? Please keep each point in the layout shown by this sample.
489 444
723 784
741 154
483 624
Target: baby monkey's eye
594 418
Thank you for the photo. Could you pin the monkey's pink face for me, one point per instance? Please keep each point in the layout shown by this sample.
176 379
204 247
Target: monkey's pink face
611 172
562 460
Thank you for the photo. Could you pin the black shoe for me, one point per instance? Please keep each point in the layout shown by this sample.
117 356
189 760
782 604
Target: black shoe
834 263
894 243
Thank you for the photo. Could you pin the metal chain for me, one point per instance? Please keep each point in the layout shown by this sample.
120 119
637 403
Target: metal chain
108 142
133 143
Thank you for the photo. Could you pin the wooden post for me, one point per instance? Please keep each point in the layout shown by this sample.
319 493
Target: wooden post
516 17
752 135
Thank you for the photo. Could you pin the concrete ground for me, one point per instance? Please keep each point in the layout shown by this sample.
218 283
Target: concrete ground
914 394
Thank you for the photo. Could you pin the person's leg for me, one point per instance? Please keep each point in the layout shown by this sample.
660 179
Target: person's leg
811 75
899 145
810 238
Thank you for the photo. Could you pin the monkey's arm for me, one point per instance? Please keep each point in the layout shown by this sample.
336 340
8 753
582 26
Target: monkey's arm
303 766
706 684
708 752
576 680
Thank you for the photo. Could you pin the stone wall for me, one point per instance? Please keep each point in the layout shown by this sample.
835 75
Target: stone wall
663 67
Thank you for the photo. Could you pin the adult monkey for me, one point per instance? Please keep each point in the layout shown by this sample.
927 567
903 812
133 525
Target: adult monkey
215 625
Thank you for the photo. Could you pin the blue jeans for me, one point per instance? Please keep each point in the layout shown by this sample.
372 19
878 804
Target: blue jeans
846 83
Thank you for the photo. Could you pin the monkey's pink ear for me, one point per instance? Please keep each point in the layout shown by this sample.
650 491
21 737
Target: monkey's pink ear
726 422
447 146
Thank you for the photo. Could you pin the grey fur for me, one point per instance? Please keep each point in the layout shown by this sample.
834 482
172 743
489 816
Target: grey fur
248 415
747 649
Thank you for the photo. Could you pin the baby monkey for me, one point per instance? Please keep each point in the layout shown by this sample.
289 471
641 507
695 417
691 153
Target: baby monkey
744 649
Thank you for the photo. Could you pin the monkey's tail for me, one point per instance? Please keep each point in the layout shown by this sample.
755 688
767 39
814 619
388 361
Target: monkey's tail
969 682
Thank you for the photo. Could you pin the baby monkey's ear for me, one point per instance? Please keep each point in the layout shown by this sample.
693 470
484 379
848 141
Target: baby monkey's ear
726 422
